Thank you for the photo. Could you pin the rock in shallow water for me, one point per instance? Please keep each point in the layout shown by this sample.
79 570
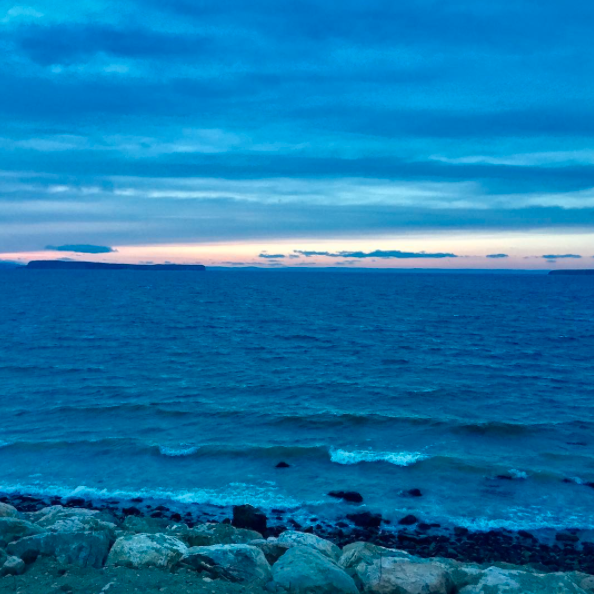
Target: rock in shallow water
7 511
303 570
239 563
12 566
350 496
147 550
12 529
250 517
366 520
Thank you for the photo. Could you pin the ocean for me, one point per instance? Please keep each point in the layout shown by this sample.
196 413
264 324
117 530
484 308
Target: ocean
191 387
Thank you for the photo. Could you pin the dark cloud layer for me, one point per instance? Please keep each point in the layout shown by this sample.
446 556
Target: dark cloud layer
467 115
82 249
497 256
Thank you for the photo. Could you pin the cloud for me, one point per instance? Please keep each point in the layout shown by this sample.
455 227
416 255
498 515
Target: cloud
82 249
271 256
497 256
375 254
556 257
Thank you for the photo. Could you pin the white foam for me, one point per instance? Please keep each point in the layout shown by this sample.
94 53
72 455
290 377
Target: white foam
518 474
183 450
355 457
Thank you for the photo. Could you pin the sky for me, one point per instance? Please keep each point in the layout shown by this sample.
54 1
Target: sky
376 133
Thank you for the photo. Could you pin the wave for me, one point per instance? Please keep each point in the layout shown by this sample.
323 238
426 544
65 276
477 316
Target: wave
356 457
178 452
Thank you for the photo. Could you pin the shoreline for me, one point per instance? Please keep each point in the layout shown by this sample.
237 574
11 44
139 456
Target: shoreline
545 549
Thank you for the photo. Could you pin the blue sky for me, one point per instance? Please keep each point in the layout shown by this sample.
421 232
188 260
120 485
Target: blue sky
192 128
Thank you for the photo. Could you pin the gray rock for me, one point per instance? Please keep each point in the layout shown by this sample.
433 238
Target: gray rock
325 547
394 575
147 550
305 570
7 511
496 580
205 535
84 549
239 563
3 557
12 566
272 549
140 525
49 516
12 529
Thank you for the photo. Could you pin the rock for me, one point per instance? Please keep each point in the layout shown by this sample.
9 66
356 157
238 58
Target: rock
393 575
364 552
366 520
283 465
147 550
12 566
131 511
496 580
205 535
272 549
325 547
145 525
408 520
3 557
252 518
350 496
84 549
49 516
239 563
414 493
7 511
566 537
303 570
12 529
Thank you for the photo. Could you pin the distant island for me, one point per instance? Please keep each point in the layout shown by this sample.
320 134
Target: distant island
588 272
65 265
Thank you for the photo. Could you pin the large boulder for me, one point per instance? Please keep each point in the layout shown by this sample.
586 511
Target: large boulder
12 566
364 552
140 525
7 511
205 535
272 549
394 575
312 541
496 580
12 529
48 516
84 549
240 563
250 517
304 570
147 550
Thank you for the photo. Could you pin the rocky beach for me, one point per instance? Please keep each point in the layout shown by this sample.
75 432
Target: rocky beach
75 545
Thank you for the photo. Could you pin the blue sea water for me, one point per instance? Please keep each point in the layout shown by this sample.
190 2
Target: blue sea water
193 386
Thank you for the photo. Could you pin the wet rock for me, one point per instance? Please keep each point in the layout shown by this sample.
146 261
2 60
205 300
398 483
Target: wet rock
12 529
350 496
408 520
252 518
414 493
239 563
7 511
322 546
303 570
566 537
83 549
131 511
366 519
12 566
283 465
140 525
204 535
147 550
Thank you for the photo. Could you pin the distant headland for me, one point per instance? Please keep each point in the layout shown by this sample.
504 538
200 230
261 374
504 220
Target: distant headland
589 271
65 265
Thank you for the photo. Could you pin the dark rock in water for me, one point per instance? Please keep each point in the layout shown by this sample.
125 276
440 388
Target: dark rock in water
504 477
591 485
248 516
414 493
461 531
350 496
137 500
75 502
524 534
424 526
408 520
342 525
283 465
131 511
226 521
176 517
565 537
366 520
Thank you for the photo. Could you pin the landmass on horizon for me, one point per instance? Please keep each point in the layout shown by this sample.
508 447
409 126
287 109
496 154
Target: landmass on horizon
62 265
